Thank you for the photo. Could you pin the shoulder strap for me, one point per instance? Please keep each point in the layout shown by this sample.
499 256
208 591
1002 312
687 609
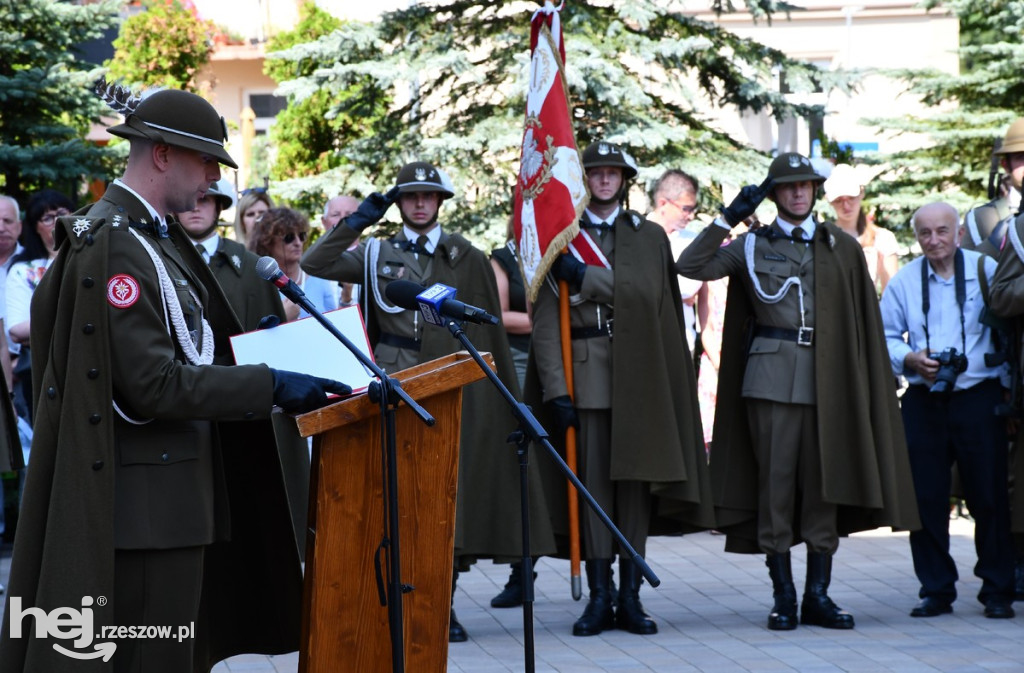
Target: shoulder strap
983 279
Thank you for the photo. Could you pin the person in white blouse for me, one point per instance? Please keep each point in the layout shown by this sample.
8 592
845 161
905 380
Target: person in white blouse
281 233
26 270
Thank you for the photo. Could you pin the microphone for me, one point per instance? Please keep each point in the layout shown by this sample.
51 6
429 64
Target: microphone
268 269
435 303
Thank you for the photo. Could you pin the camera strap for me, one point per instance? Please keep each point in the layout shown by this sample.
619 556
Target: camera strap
960 285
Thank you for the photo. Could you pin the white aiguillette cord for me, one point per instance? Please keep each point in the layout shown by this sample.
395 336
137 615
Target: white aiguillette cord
175 320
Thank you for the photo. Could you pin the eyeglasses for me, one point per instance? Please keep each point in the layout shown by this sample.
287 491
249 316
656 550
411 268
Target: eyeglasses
290 237
685 209
49 218
254 190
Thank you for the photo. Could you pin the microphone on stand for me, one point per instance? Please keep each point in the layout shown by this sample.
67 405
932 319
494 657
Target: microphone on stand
268 269
436 303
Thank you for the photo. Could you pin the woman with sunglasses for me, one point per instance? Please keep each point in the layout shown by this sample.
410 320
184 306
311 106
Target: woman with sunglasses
252 204
281 233
27 268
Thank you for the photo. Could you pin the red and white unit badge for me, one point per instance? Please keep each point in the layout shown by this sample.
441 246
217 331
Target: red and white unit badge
122 290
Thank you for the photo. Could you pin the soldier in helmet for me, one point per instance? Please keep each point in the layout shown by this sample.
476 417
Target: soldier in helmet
639 439
149 496
487 522
802 335
1007 301
986 226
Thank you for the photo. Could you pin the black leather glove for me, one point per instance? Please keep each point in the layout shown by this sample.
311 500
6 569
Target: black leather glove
564 413
746 202
571 270
371 209
268 322
297 393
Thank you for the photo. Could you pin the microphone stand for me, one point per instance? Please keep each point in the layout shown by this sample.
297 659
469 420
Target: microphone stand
387 392
530 430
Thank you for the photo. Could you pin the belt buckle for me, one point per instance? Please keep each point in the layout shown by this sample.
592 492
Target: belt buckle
608 326
804 336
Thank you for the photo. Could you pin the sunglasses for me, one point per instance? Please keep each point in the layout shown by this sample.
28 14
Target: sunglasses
290 237
49 218
254 190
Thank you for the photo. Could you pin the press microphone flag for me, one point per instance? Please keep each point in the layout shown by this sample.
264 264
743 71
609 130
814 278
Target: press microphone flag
435 303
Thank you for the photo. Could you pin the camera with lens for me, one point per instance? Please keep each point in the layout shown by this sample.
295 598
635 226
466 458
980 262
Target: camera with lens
952 363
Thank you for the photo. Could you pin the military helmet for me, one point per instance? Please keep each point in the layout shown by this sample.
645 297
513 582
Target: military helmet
603 153
421 176
1013 141
178 118
223 193
793 167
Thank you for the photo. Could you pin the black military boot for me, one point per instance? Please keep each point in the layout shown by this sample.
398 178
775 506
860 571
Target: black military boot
598 616
456 632
817 609
1018 581
783 614
512 595
629 611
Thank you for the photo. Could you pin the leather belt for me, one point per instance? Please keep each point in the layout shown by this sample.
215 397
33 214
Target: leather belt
591 332
803 336
399 341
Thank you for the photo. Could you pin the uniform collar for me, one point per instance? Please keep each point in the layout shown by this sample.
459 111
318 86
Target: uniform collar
154 216
433 236
591 217
808 225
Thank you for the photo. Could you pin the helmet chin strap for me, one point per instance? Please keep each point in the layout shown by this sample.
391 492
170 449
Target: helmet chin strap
202 236
790 216
415 225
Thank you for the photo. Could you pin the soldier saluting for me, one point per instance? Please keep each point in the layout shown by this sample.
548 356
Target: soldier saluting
802 335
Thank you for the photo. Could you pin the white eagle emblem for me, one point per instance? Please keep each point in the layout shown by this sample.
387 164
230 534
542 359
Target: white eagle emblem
81 226
421 175
532 159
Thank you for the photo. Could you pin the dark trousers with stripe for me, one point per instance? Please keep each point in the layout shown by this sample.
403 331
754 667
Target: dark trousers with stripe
964 429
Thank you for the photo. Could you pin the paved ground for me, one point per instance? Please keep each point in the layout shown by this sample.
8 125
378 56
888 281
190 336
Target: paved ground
711 609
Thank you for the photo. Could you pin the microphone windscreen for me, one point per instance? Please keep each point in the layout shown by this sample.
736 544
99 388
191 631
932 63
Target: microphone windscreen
403 293
267 267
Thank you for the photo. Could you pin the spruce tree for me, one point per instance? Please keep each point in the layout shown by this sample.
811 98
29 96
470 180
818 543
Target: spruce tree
46 106
457 72
977 105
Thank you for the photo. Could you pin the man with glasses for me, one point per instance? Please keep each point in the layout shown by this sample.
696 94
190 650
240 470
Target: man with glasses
487 523
674 201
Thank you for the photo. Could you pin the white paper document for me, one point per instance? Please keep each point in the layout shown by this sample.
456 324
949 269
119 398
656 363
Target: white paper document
306 346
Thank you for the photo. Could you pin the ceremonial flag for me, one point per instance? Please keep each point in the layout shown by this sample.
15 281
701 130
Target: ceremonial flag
550 190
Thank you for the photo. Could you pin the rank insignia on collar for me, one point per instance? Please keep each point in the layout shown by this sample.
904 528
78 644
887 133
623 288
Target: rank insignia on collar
81 226
236 261
636 221
454 252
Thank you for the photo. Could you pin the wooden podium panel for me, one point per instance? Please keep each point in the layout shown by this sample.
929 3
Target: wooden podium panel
345 627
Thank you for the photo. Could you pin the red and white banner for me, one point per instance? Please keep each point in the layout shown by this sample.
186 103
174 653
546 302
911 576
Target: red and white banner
550 192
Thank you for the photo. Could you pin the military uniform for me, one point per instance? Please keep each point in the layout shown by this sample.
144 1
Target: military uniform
128 459
634 386
802 338
986 226
487 515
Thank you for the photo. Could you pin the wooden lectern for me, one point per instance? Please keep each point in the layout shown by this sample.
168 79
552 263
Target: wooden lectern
345 627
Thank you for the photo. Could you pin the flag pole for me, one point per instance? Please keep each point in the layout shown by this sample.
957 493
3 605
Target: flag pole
570 444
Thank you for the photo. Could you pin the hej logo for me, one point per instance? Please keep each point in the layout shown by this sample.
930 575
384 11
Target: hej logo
66 624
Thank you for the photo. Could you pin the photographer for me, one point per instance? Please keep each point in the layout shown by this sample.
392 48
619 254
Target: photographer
933 316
